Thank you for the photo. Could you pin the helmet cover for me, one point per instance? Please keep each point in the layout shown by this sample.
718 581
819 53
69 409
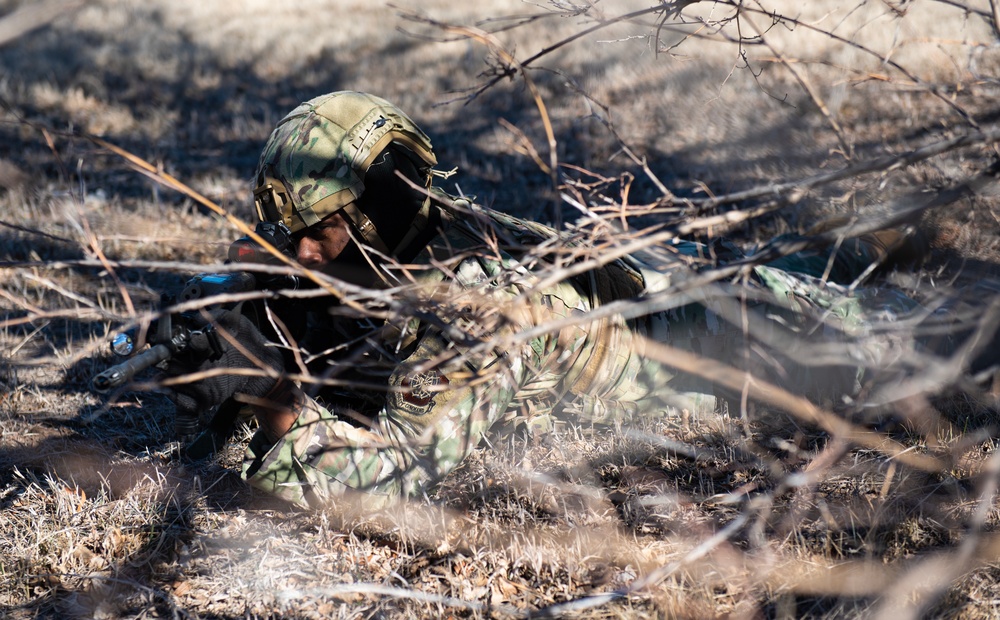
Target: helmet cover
315 161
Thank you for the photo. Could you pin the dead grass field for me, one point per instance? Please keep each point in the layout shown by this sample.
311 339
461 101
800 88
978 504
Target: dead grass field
698 516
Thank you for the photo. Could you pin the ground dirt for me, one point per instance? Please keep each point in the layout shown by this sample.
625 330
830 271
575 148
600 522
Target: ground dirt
745 513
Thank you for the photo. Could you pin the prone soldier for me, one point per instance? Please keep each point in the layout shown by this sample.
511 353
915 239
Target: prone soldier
476 314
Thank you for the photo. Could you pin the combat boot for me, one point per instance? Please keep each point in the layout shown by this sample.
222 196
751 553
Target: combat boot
892 248
888 248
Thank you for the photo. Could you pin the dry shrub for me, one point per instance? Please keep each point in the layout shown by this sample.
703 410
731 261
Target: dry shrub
754 512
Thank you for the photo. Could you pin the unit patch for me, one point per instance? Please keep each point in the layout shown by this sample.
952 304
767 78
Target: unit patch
414 394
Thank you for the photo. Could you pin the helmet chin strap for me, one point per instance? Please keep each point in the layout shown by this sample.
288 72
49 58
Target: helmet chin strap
418 226
365 227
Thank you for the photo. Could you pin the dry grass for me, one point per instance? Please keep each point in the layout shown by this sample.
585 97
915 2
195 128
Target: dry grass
764 517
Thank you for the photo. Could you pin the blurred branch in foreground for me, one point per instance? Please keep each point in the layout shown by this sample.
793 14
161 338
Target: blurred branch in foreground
32 16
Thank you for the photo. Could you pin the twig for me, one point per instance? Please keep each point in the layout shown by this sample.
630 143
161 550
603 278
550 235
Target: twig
903 210
512 64
806 86
732 378
919 587
675 296
290 595
95 245
161 177
931 88
968 9
879 164
941 373
995 10
649 580
545 51
34 231
67 293
33 16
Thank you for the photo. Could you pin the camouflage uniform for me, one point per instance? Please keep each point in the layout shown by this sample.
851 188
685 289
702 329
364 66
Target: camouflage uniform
448 381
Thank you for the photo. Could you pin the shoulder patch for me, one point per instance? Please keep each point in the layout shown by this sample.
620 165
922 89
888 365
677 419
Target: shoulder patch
414 393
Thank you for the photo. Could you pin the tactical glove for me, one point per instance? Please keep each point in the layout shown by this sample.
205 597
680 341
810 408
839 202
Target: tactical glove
215 353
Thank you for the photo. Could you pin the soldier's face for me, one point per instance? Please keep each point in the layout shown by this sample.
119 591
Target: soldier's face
320 244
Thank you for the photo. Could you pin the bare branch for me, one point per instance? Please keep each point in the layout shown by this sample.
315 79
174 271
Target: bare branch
32 16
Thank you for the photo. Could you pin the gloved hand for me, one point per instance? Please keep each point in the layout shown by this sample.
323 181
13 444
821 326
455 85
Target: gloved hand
203 355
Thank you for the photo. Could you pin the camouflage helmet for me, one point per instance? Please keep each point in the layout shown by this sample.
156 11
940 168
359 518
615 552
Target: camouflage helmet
315 161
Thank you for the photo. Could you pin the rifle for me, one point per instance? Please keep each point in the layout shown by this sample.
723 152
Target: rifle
171 334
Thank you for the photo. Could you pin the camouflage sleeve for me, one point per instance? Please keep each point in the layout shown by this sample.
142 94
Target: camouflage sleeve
432 418
441 400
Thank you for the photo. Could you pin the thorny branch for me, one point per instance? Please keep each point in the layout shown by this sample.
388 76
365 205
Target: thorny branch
717 25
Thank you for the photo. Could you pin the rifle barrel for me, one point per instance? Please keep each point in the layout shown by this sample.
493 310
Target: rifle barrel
119 374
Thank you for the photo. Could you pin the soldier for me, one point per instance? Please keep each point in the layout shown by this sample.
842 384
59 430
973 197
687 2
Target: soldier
469 325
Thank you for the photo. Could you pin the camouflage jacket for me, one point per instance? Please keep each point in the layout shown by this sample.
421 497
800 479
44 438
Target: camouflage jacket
488 332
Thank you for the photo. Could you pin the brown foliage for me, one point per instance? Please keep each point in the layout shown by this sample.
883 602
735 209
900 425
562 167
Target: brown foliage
638 123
